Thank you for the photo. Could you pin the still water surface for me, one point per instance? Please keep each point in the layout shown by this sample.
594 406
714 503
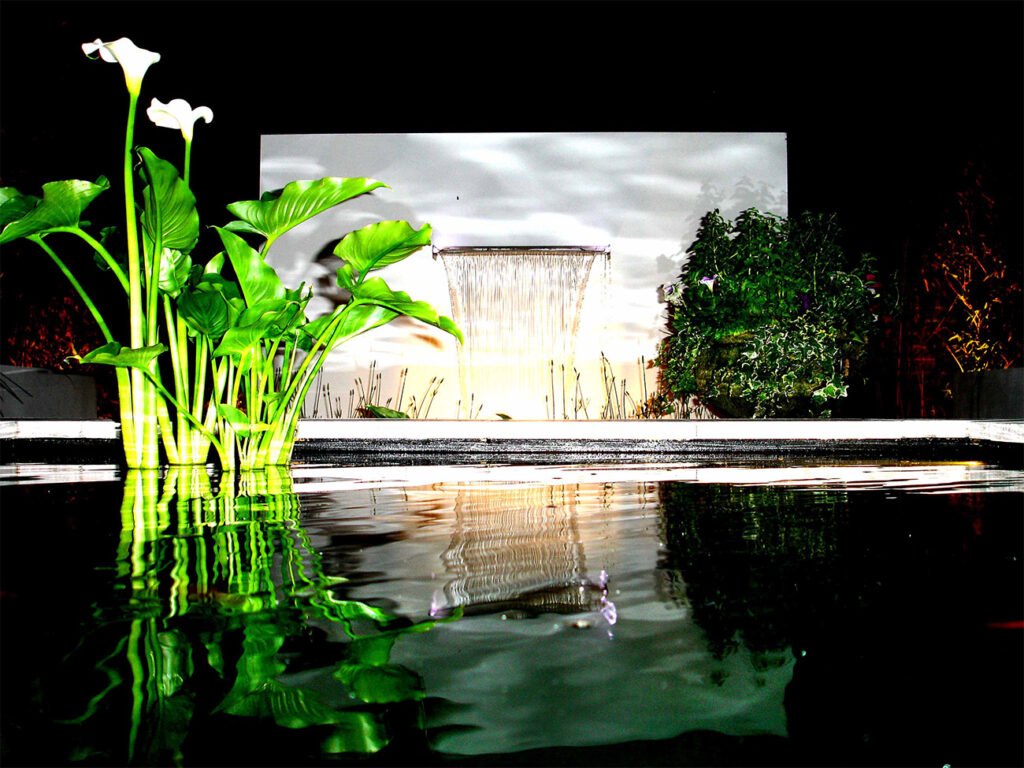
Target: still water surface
592 615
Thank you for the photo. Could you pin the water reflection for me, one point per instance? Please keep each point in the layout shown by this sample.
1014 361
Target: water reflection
747 559
721 617
519 552
219 612
565 640
889 606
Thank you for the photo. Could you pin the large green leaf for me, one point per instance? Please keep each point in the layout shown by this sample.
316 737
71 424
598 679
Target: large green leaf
212 306
240 344
356 319
377 245
112 353
277 212
61 206
276 316
376 291
258 279
169 213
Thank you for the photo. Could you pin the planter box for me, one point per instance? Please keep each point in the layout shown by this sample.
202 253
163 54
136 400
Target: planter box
989 395
36 393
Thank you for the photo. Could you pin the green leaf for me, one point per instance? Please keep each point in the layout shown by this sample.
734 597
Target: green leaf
380 412
169 208
277 212
275 317
112 353
61 206
175 268
240 344
376 291
356 319
378 245
258 279
212 306
215 265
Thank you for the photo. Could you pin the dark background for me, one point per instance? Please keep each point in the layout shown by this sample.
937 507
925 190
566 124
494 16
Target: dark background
884 103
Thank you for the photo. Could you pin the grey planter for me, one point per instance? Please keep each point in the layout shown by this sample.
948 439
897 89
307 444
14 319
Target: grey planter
989 395
36 393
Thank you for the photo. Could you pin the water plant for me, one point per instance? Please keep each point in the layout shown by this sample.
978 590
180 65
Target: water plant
770 316
220 353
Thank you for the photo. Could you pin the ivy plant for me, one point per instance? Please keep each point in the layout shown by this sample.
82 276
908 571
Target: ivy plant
769 317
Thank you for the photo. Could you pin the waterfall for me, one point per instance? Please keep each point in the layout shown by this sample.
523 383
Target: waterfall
519 309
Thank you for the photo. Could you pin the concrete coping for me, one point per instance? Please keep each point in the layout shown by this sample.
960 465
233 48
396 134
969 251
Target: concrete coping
718 430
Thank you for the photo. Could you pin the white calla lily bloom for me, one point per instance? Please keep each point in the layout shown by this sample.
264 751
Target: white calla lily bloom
133 60
179 114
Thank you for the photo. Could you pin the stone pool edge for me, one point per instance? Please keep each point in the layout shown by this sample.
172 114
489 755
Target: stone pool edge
442 441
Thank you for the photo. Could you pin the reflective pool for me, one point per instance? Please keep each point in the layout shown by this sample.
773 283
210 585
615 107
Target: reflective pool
635 614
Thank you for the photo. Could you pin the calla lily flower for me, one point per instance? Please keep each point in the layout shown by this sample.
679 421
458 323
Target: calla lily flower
179 114
133 60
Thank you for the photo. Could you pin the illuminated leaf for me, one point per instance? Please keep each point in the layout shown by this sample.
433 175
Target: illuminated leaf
61 206
355 319
169 213
240 343
275 317
175 268
377 245
211 307
258 279
376 291
112 353
277 212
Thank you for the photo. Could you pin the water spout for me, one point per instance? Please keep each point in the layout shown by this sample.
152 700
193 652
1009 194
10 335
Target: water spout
519 308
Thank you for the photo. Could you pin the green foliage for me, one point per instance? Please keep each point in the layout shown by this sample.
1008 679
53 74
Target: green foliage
61 206
769 316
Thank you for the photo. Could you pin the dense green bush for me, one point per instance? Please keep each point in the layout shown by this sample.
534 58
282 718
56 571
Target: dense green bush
769 317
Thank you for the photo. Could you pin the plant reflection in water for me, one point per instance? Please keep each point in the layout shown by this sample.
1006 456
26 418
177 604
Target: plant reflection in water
213 586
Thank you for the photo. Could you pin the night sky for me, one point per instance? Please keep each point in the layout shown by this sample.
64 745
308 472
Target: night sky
883 102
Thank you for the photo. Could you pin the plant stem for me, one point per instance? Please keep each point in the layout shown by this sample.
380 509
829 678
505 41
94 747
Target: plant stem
146 453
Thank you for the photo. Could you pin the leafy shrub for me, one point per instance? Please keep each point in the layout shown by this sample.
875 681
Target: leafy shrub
769 316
